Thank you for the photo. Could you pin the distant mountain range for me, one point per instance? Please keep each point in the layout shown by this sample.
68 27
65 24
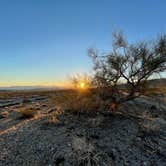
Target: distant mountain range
153 83
37 88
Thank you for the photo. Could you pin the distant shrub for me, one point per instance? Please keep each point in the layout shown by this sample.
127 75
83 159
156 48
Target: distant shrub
27 113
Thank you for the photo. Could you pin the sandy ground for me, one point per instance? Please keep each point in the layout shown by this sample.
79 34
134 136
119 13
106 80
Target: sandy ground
135 135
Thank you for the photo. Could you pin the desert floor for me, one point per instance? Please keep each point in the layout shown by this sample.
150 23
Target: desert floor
133 136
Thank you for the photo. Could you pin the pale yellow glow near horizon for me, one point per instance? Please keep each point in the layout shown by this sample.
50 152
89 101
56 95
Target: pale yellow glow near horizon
35 83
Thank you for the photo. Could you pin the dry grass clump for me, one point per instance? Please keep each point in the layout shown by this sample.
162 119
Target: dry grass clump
88 155
86 102
82 104
76 102
52 120
84 153
27 113
94 159
52 117
90 105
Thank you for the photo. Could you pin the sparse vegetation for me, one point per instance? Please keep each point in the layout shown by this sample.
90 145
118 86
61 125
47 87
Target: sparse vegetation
74 127
122 74
92 138
79 102
119 76
27 113
52 120
87 154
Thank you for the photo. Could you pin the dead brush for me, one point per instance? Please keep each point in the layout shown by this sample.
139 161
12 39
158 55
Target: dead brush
93 159
88 104
77 103
83 104
87 155
52 118
27 113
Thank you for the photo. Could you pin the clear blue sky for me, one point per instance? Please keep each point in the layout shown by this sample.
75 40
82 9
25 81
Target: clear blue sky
44 41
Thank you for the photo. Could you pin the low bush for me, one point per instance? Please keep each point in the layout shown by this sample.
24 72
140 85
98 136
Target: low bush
27 113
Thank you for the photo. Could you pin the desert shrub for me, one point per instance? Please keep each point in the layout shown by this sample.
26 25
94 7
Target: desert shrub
27 113
83 98
123 73
51 121
53 114
76 101
87 153
81 104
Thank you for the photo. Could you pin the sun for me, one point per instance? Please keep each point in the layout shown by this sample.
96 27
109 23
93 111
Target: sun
82 85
